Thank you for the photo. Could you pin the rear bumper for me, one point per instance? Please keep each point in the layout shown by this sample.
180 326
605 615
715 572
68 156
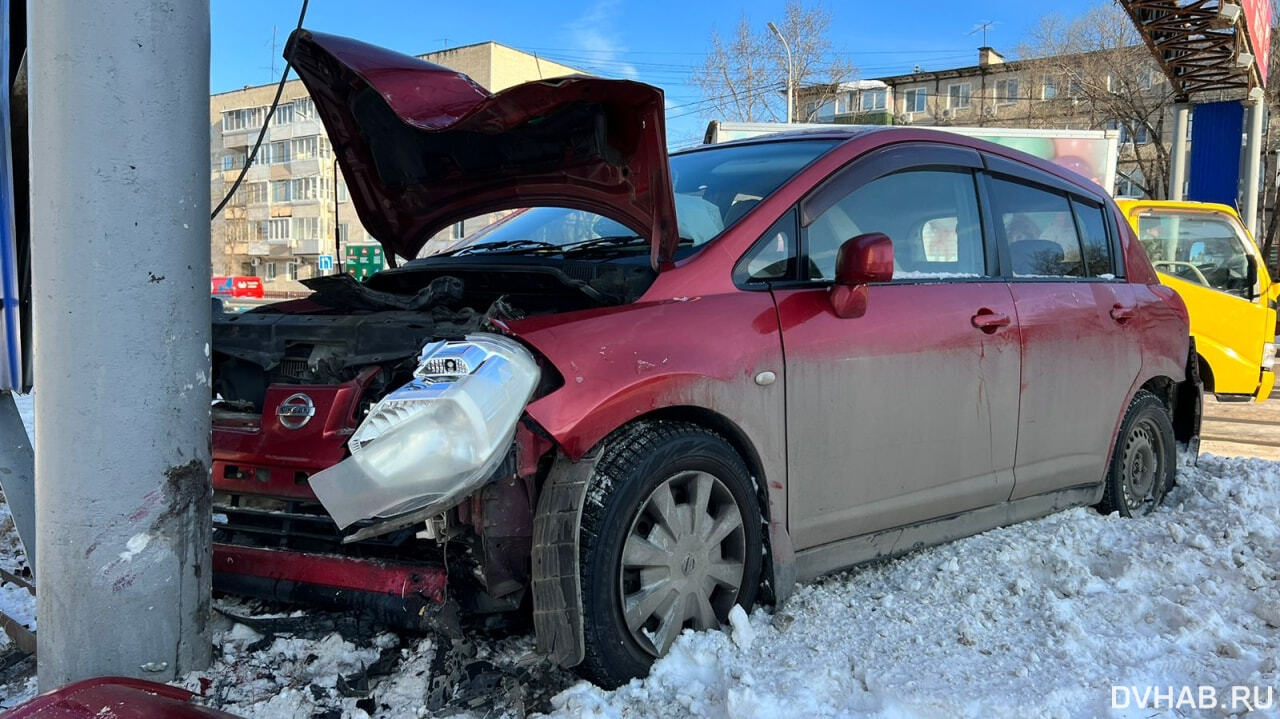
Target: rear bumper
405 595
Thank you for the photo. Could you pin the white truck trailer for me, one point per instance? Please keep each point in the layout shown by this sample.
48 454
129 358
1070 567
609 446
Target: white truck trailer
1091 153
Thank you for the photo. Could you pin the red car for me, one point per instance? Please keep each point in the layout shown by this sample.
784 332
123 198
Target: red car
674 384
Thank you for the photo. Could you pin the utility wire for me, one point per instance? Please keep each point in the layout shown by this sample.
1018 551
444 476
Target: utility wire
248 162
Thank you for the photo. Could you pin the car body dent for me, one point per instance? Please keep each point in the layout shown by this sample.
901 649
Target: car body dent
725 341
422 146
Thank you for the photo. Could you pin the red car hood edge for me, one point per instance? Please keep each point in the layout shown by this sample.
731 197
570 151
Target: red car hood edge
422 146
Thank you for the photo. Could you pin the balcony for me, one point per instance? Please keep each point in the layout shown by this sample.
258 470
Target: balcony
311 246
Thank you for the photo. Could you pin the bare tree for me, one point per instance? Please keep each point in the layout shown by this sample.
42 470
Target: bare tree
745 79
1106 77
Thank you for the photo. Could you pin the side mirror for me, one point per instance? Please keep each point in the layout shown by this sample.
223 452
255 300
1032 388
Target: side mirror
1251 277
863 260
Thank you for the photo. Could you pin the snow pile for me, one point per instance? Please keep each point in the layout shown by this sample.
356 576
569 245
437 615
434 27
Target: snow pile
1038 619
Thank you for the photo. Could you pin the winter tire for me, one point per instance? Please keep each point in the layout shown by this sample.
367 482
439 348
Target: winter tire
670 540
1144 460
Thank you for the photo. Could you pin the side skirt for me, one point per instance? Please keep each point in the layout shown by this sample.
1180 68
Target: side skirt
812 563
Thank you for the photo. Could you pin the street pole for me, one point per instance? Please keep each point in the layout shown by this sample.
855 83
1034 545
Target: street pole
790 71
1253 163
119 103
1178 152
337 228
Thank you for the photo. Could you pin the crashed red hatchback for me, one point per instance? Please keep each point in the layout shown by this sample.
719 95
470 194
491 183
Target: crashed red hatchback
668 386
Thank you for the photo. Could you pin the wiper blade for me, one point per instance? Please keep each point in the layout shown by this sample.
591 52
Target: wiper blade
613 242
503 246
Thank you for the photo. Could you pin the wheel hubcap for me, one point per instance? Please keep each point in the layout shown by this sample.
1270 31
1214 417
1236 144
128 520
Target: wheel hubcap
682 560
1141 464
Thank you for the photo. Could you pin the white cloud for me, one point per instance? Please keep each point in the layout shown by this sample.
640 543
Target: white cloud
595 33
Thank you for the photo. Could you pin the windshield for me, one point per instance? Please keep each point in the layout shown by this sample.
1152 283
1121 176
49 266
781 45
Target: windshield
714 188
1207 249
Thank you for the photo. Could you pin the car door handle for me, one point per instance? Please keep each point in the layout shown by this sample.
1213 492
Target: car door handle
989 321
1122 313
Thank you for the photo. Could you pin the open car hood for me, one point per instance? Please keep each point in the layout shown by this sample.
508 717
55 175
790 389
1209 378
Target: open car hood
422 146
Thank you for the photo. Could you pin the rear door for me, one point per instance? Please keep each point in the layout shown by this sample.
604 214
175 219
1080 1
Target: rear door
908 412
1080 343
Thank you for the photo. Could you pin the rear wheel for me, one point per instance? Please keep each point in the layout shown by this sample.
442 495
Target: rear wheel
1143 462
671 540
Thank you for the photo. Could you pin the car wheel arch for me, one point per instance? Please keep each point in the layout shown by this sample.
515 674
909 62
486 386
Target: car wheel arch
778 571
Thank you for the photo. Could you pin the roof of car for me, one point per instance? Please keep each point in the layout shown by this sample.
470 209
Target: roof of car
815 133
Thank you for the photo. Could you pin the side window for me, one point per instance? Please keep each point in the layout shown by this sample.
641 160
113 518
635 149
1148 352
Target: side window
1206 250
773 256
1039 229
930 214
1091 220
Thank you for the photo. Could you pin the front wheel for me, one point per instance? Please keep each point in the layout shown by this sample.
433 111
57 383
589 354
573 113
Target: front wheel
1144 460
671 540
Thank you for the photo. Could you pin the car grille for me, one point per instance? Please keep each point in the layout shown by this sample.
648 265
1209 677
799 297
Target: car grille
302 525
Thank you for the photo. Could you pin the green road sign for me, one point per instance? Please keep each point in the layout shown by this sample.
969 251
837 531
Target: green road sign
362 260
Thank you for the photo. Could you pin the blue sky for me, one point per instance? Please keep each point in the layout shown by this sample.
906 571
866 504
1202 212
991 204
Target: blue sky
655 41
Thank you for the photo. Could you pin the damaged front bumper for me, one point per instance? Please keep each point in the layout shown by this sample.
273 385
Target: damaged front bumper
426 446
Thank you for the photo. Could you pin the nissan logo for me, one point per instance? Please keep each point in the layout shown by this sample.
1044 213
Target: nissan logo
295 411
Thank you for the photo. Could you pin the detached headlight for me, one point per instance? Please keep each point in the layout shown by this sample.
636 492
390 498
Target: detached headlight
430 443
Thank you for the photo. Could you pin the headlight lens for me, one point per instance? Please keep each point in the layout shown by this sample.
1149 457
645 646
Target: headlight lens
433 441
1268 355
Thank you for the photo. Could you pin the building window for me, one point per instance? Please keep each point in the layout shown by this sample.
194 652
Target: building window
232 162
278 229
275 153
1007 91
281 191
916 100
342 190
293 270
344 232
306 228
283 114
304 148
304 108
959 95
1074 86
1048 87
304 189
873 100
255 193
243 119
1146 79
271 271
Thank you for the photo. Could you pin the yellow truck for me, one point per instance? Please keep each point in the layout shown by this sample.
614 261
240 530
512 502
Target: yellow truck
1204 252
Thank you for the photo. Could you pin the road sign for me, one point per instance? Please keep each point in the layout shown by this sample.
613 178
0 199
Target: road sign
363 260
324 263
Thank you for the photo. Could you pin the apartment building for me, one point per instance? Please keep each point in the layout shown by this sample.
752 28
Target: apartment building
1086 91
292 212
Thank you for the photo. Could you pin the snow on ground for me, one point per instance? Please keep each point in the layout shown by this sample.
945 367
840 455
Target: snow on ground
1037 619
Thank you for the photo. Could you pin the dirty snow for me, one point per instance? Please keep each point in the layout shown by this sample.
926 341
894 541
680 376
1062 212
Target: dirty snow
1039 619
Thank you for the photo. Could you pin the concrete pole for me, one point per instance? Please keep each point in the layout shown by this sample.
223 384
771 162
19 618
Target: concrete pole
1253 165
120 273
1178 153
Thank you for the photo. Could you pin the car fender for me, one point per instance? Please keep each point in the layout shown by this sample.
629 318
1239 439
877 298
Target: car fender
716 360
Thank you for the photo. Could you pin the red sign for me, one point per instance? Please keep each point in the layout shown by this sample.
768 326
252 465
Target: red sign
1257 18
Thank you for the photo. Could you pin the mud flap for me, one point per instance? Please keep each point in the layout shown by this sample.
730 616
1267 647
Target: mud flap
557 584
1188 407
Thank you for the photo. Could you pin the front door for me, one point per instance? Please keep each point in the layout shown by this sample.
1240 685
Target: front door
908 412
